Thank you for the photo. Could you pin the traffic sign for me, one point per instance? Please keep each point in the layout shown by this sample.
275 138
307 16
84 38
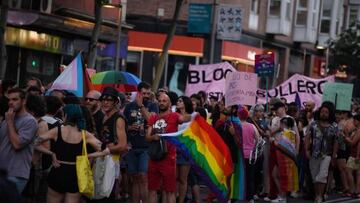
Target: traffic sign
264 64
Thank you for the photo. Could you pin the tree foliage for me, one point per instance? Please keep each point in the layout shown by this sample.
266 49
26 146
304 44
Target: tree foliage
345 50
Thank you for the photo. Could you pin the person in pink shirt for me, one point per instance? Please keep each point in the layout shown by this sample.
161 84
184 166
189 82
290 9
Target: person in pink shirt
249 137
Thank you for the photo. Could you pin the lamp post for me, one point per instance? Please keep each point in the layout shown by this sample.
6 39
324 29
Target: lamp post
118 41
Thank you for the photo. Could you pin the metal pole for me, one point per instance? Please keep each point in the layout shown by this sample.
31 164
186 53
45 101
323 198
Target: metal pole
266 96
118 42
213 33
327 61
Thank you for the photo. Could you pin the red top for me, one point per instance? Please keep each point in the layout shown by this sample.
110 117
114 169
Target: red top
167 123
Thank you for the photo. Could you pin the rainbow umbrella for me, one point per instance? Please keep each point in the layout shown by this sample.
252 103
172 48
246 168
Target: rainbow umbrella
122 81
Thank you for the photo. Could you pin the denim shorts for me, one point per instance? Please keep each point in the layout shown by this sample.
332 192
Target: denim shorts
19 182
137 161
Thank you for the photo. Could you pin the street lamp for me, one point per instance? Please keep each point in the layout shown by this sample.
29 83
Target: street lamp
118 41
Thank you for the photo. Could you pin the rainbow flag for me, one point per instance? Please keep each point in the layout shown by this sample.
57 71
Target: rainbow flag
208 154
74 79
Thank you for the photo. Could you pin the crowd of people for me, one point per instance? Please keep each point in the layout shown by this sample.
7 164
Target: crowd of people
285 150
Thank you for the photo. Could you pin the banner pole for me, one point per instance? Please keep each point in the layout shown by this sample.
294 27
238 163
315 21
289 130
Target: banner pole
267 88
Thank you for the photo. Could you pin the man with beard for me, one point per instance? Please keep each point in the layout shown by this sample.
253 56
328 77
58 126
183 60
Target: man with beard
162 173
137 158
93 104
17 133
319 143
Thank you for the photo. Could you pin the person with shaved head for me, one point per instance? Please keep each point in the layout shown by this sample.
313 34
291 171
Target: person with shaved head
93 104
162 173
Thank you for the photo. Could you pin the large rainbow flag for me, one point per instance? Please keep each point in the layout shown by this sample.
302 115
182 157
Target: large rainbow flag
74 79
208 154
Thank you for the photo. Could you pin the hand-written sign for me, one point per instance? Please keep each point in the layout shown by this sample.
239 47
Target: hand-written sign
240 88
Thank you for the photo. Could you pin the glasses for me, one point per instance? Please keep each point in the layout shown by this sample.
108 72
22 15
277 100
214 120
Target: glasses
90 99
179 100
107 99
128 94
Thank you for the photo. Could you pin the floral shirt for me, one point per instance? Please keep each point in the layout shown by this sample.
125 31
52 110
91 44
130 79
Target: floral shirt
322 139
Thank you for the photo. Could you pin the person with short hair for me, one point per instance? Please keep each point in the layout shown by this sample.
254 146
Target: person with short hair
17 133
136 114
94 105
162 173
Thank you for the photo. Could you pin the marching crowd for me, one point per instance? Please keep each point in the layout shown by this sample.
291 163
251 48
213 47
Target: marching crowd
286 151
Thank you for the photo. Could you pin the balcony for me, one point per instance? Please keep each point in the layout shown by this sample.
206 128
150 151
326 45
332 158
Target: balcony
306 21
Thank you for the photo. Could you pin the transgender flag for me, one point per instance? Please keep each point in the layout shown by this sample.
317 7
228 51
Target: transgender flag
72 79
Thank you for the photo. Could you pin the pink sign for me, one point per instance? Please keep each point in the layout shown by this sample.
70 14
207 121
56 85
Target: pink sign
210 78
240 88
309 89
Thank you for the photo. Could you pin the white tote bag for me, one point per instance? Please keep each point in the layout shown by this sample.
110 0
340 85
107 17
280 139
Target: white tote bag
104 176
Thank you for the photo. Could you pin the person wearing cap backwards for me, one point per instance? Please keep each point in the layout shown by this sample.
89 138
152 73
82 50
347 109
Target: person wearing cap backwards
275 128
113 133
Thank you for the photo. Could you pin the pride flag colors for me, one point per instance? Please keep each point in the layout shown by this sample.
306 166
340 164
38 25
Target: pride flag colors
208 154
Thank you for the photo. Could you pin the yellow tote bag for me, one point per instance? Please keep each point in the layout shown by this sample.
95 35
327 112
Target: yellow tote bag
84 173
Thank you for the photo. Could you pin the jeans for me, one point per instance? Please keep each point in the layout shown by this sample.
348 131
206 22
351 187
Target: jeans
19 182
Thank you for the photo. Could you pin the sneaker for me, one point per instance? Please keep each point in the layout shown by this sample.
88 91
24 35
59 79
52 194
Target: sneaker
318 200
256 198
278 200
294 195
267 199
251 201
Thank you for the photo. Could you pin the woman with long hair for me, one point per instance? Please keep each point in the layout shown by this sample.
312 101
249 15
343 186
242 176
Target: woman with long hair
184 106
68 142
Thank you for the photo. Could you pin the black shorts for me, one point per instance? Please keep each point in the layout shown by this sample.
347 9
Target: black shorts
343 154
63 179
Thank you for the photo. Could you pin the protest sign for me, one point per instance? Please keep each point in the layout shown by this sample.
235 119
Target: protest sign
340 94
309 89
240 88
210 78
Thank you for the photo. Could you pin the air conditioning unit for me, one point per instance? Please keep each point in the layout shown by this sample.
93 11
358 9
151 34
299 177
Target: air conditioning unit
46 6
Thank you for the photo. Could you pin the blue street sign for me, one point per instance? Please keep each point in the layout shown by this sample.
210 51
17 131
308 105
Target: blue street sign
199 20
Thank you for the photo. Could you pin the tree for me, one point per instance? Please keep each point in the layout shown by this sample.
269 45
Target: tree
4 7
345 50
159 68
95 34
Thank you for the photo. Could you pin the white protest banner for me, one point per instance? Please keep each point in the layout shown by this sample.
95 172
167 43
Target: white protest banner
309 89
209 78
240 88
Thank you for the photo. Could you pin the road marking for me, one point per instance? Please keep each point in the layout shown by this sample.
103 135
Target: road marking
343 200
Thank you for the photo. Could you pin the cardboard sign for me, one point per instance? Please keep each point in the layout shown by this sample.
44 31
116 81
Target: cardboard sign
240 88
340 94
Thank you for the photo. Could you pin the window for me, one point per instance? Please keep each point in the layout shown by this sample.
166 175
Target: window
301 12
254 6
353 14
288 10
326 16
275 7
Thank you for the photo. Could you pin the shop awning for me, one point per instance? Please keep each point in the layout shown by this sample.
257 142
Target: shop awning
181 45
233 51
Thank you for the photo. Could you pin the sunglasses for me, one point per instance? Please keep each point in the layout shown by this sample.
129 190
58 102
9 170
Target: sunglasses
128 94
90 99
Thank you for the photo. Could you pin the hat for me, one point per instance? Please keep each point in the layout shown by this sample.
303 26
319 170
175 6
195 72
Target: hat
277 105
110 91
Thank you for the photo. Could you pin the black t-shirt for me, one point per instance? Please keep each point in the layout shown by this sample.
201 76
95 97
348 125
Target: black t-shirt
224 132
108 130
132 115
98 119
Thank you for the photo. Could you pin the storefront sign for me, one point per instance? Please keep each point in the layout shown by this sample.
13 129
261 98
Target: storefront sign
199 19
240 88
264 64
38 41
229 22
